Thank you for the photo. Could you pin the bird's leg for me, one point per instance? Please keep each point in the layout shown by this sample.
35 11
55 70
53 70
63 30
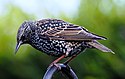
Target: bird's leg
57 60
71 58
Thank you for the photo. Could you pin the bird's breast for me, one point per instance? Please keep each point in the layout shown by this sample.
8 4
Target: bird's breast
55 47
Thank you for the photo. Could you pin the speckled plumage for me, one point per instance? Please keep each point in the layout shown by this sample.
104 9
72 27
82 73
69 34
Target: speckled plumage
57 37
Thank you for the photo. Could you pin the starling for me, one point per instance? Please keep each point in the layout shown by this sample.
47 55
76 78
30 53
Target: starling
58 38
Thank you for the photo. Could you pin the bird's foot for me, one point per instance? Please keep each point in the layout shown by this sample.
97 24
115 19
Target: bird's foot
56 65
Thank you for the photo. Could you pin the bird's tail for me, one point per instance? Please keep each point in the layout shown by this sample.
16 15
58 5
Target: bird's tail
99 46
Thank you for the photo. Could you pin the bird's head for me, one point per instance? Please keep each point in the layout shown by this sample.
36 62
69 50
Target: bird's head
23 34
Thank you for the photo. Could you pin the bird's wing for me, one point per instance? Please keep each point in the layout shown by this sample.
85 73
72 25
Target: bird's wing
71 32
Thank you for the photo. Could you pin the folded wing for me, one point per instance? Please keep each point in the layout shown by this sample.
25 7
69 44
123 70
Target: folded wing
72 32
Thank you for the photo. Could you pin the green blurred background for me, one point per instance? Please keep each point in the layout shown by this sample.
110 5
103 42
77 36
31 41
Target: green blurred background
103 17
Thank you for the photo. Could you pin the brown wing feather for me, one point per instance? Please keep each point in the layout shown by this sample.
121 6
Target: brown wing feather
71 32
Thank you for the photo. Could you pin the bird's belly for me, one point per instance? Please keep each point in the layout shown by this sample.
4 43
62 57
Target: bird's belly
56 48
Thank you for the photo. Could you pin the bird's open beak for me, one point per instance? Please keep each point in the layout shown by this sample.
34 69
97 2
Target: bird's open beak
18 46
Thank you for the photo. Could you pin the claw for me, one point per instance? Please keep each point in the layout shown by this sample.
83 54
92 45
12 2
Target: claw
56 65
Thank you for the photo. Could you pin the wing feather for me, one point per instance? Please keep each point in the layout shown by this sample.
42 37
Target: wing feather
71 32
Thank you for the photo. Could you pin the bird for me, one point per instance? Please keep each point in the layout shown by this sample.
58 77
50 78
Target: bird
58 38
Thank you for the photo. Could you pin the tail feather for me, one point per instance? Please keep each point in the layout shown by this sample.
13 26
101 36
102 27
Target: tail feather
99 46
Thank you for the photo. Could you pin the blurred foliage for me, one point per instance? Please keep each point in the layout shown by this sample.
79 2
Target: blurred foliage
103 17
